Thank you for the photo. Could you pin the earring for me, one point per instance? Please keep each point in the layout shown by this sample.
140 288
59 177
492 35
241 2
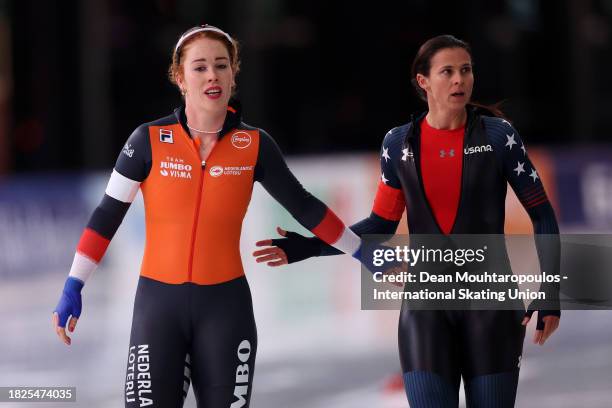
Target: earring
183 92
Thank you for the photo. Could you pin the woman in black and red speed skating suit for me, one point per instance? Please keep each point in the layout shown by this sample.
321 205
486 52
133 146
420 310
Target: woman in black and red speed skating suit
436 168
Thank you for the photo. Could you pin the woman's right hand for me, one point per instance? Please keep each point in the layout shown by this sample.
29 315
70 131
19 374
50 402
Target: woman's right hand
69 306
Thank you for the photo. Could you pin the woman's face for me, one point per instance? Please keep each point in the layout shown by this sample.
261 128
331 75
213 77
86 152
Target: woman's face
207 77
450 81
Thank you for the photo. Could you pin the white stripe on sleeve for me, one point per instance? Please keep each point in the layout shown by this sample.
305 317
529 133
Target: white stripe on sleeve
349 242
82 267
122 188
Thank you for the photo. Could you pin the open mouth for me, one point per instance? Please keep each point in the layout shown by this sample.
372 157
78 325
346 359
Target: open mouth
214 92
458 94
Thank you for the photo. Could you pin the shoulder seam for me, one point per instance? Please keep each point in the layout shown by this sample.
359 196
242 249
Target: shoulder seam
166 120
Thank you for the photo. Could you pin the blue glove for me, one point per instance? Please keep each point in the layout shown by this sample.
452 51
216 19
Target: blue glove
70 302
365 255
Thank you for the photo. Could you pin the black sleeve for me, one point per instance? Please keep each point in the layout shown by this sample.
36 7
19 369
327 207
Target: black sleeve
274 175
134 160
521 174
298 247
524 179
107 216
390 153
374 224
134 163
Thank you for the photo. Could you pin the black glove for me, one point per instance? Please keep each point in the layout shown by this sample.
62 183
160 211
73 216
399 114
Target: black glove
298 247
541 314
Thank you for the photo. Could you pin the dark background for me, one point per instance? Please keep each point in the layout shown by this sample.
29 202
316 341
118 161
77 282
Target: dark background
76 77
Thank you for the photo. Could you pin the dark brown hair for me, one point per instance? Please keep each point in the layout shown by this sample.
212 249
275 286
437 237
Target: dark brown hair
422 65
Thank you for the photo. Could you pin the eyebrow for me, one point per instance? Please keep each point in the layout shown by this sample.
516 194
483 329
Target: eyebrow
467 64
204 59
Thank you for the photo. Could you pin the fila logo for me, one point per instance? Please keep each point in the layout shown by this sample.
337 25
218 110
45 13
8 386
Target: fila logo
478 149
165 136
241 140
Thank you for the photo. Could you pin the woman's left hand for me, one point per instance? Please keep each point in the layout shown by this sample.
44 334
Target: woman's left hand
273 255
551 323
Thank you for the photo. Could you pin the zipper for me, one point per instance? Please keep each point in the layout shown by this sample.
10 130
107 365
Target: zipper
196 216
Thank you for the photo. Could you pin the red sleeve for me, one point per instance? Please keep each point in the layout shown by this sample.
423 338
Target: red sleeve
330 228
92 245
389 202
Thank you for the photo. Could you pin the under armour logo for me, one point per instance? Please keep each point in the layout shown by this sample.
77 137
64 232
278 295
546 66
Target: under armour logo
407 154
443 153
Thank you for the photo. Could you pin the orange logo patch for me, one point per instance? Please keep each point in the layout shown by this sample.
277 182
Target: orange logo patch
241 140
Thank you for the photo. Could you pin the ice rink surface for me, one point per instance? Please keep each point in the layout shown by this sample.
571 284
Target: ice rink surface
329 370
